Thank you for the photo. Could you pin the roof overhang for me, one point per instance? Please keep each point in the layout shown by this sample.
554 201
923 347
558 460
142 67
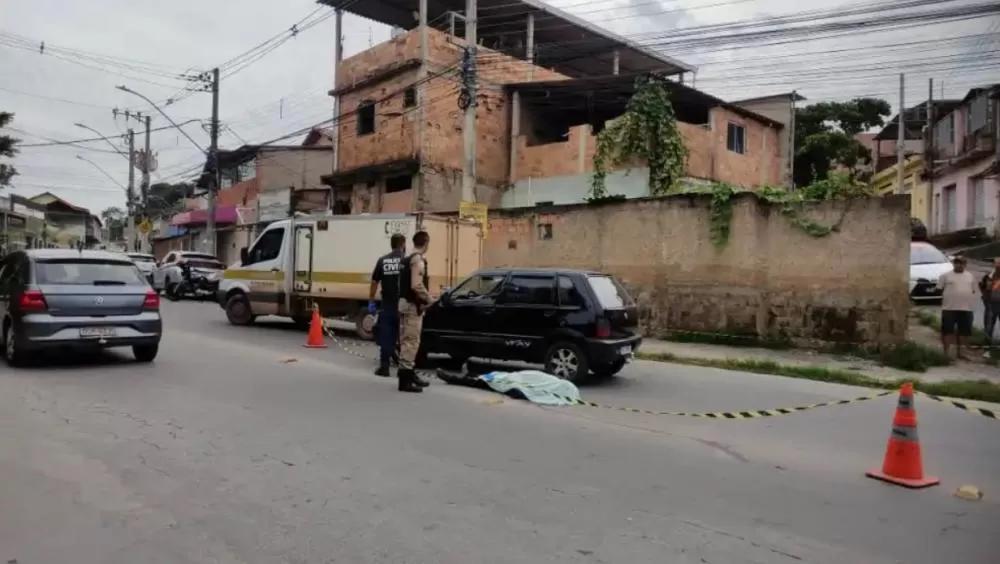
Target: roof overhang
564 42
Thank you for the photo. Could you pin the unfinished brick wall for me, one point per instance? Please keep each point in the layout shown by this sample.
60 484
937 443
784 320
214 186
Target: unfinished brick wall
708 157
394 135
770 280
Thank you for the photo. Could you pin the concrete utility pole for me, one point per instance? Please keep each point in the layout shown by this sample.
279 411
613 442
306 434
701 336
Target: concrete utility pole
338 56
901 137
469 129
929 154
145 170
214 171
130 193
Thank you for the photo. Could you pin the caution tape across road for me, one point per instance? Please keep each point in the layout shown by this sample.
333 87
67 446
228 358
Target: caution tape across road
963 406
728 415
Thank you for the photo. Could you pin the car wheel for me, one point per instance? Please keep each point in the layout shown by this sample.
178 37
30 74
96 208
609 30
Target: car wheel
11 352
364 324
238 310
608 370
567 360
172 292
145 353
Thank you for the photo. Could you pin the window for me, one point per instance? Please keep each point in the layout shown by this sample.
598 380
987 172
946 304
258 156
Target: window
398 183
478 285
268 247
978 114
544 231
529 290
410 97
609 292
736 138
978 201
78 272
171 258
366 117
569 296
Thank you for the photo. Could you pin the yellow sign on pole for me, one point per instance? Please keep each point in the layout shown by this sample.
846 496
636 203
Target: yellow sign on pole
475 211
145 226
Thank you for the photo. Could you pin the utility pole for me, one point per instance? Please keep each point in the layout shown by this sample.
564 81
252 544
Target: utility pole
929 155
213 159
468 100
901 138
130 194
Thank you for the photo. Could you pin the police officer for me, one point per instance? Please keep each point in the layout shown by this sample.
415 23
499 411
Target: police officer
386 273
414 300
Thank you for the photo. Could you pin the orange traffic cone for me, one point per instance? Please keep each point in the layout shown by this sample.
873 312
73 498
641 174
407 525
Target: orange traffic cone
903 465
315 339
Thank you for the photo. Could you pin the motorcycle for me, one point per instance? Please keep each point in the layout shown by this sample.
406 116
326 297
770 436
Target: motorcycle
196 285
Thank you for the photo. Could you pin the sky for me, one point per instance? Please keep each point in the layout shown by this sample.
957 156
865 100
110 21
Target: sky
285 90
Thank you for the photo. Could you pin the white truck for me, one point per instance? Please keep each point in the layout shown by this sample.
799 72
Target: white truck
327 261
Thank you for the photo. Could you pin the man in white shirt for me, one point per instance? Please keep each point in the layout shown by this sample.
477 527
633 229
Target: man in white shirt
960 293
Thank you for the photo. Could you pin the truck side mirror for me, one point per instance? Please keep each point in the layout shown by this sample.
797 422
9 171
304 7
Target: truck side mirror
244 256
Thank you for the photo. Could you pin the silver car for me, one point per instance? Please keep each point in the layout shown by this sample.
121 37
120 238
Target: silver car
56 298
146 264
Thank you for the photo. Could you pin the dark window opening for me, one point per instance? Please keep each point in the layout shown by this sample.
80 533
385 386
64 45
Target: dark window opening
544 231
736 138
410 97
569 296
366 117
398 183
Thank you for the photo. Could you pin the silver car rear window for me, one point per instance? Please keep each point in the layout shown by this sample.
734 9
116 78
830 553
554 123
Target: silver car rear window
87 273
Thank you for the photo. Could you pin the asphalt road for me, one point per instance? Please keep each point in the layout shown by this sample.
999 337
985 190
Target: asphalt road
224 451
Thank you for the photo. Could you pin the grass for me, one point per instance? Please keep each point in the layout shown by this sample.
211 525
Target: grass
727 340
982 390
913 357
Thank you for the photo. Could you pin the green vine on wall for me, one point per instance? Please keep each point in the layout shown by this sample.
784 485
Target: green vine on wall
648 131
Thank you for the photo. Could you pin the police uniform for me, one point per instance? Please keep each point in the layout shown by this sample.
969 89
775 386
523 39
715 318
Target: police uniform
386 273
413 301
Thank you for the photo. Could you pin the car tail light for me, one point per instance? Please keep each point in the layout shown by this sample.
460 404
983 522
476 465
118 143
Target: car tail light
32 300
603 329
152 301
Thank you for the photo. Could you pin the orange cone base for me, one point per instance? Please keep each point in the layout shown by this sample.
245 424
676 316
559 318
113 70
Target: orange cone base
308 346
914 484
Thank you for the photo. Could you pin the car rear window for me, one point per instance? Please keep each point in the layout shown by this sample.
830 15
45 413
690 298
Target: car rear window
83 272
609 292
201 263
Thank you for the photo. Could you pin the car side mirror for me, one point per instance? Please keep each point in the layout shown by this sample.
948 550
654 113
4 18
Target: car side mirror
244 256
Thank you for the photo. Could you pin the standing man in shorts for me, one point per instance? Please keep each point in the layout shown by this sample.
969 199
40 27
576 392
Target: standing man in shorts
960 293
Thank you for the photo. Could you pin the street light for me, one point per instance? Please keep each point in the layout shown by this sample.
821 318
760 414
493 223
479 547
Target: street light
104 172
101 135
124 88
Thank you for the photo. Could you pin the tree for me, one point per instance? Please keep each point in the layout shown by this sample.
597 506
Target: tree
114 219
166 199
824 137
7 149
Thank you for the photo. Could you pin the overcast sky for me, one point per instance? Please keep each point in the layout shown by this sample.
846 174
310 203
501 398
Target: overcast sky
286 89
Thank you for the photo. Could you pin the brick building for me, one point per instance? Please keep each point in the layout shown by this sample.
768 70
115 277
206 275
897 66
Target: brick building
398 142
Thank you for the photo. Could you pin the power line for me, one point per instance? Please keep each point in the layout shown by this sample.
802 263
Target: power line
54 142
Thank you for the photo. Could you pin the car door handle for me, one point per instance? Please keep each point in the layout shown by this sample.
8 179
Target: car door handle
275 269
549 313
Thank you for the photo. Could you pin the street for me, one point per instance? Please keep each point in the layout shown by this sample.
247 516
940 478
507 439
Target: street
239 445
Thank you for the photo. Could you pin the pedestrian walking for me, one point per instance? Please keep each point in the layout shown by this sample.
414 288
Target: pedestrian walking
960 292
386 275
414 300
989 286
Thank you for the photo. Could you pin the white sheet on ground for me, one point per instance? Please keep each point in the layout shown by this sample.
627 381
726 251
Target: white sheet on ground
537 387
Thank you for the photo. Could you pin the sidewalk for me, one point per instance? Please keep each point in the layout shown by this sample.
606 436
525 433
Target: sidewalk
796 357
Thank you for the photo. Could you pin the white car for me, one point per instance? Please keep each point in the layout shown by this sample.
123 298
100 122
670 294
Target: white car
146 264
927 264
168 273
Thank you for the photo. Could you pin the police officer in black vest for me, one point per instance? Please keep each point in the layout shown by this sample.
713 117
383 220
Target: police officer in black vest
386 273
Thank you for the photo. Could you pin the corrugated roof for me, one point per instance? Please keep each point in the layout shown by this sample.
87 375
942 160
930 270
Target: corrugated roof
564 42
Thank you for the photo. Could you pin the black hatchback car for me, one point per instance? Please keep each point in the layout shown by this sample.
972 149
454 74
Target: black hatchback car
573 322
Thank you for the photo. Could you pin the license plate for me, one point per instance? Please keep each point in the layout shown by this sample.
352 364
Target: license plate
96 332
626 350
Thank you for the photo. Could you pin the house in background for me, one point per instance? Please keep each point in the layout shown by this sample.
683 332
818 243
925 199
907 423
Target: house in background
883 144
914 183
964 164
68 225
780 108
22 223
399 136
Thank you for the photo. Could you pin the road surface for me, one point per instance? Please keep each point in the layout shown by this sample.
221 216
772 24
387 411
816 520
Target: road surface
226 451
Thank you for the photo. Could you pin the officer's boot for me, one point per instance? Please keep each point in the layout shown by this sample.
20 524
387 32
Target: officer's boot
406 383
382 370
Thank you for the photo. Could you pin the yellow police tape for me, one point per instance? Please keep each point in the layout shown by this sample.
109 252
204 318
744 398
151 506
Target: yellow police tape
752 414
749 414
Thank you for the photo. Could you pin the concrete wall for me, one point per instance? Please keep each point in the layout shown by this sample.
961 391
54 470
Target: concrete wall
277 170
771 279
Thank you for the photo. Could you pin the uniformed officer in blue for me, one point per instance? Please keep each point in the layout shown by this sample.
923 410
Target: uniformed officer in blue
386 274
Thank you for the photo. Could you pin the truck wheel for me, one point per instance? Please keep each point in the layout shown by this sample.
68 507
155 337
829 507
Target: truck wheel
567 360
364 325
238 310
